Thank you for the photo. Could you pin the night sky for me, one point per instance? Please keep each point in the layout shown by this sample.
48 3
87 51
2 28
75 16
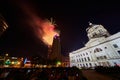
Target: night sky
71 18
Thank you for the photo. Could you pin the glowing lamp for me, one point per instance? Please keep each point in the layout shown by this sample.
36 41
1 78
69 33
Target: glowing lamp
58 63
12 62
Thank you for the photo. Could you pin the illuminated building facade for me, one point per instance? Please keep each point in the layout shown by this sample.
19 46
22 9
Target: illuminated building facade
102 49
3 25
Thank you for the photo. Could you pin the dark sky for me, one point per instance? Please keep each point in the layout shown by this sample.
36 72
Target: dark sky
71 18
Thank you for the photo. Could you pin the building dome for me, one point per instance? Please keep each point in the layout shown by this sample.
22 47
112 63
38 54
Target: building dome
96 31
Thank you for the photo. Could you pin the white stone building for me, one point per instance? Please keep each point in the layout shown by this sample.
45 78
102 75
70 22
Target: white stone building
102 49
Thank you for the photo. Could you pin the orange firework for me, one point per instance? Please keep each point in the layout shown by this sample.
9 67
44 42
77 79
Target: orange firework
44 29
48 32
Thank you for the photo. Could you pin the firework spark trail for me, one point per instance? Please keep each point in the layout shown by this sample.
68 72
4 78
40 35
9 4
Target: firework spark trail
49 32
44 29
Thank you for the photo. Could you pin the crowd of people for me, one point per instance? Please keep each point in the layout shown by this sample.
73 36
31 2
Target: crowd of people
54 73
110 70
113 71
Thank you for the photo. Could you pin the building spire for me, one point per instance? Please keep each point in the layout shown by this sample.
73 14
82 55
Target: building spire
90 23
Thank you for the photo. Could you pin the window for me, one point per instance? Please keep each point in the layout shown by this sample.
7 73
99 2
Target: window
105 47
101 57
81 65
86 53
119 52
100 31
88 58
97 58
79 60
105 57
115 45
108 63
83 54
85 59
90 64
97 50
100 49
94 34
86 64
95 64
82 60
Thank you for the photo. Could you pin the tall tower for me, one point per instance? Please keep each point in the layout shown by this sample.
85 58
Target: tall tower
56 49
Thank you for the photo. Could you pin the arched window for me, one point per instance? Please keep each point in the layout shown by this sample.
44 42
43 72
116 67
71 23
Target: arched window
97 50
86 53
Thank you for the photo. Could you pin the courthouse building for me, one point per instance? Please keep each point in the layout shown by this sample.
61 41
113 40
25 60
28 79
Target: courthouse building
102 49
